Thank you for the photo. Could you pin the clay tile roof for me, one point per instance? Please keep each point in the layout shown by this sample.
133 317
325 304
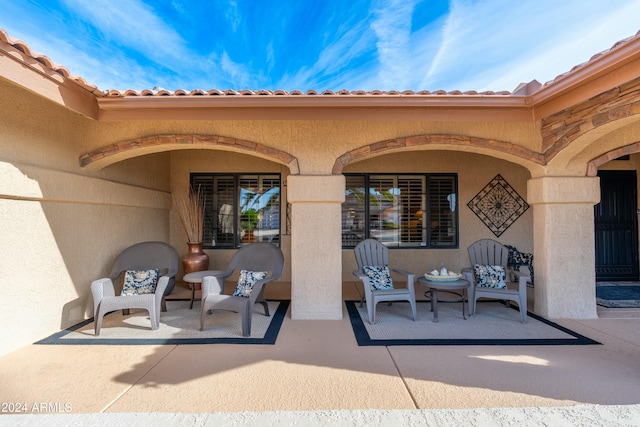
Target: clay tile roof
616 45
46 62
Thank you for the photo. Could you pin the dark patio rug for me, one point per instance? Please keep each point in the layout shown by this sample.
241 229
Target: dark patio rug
493 324
618 294
178 325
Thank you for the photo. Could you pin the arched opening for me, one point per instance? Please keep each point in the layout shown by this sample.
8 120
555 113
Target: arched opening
464 143
113 153
417 211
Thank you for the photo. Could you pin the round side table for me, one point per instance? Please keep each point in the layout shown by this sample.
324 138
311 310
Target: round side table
445 286
196 277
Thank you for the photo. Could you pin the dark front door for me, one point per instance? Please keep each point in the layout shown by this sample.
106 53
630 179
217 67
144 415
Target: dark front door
616 227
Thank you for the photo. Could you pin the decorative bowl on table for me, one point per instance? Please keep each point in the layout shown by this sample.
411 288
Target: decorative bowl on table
451 277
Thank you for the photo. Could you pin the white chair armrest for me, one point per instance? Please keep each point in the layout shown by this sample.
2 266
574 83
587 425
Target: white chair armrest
163 282
100 289
467 272
523 280
365 281
403 272
410 277
520 275
212 285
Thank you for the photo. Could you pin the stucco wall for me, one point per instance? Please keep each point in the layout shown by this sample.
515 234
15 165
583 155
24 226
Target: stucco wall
61 225
316 144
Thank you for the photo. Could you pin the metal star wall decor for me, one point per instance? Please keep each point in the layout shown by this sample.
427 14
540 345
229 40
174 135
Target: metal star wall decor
498 205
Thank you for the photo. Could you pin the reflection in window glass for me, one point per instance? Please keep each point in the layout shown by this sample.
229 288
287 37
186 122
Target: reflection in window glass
401 210
239 208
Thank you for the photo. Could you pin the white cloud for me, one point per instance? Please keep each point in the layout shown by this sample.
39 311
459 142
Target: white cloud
392 27
335 64
576 45
496 45
133 24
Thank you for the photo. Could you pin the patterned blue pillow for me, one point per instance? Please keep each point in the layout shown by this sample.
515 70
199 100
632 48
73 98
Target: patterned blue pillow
379 277
246 281
138 282
490 276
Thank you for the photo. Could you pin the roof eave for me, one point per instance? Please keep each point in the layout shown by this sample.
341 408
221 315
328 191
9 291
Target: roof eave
306 106
45 80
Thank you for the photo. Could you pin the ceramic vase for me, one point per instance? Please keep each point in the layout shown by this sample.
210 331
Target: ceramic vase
195 260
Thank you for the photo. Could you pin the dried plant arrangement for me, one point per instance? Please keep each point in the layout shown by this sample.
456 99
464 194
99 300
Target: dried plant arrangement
190 210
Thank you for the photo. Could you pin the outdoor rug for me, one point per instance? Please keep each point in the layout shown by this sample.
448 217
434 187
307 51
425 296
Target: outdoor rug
178 325
618 294
493 324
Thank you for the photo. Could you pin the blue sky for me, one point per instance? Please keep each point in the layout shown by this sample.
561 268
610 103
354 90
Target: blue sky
319 44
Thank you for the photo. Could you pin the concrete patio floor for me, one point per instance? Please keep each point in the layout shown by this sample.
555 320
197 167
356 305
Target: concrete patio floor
316 374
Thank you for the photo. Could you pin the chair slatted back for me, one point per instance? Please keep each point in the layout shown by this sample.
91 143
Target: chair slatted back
371 252
487 251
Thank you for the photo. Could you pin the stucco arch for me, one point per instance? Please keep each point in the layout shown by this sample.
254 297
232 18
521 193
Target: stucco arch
593 165
529 159
614 137
113 153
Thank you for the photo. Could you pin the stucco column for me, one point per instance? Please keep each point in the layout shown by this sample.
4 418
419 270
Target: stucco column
564 245
316 245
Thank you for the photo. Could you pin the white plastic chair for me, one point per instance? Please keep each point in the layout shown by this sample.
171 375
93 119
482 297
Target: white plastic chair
491 252
141 256
262 256
371 252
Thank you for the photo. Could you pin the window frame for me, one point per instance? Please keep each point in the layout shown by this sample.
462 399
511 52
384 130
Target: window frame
213 225
427 238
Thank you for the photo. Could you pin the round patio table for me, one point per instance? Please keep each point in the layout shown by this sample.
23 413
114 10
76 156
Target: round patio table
196 277
449 286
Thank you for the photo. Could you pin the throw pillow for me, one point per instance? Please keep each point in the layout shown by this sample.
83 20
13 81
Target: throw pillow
490 276
246 281
138 282
379 277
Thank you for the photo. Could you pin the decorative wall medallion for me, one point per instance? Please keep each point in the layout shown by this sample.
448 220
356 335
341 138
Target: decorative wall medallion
498 205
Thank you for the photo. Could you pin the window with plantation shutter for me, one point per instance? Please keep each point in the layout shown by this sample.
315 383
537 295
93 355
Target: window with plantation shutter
443 214
239 208
403 211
